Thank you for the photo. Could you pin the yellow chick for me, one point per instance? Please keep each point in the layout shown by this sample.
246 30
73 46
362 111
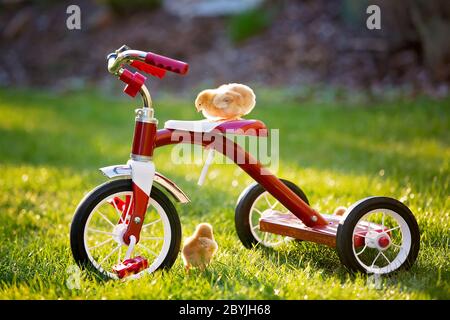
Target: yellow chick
227 102
339 211
199 249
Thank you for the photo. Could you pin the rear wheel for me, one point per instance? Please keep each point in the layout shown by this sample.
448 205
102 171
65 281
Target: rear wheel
97 229
252 205
379 235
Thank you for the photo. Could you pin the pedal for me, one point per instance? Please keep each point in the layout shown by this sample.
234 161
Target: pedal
130 266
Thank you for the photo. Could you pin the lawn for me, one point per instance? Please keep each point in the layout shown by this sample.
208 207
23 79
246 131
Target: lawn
52 144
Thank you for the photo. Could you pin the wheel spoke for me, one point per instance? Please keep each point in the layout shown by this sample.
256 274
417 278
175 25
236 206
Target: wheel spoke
255 227
105 218
152 238
110 254
274 205
365 246
259 212
151 223
147 249
100 231
385 257
375 260
100 244
118 255
265 237
267 200
392 229
119 213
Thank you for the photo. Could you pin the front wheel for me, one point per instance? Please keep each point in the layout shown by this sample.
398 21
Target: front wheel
378 235
97 229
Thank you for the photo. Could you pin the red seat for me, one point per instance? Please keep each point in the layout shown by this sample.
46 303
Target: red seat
241 127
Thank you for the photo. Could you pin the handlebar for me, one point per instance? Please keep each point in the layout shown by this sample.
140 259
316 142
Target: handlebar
148 62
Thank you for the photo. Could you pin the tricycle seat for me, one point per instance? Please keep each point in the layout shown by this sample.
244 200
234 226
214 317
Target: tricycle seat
241 127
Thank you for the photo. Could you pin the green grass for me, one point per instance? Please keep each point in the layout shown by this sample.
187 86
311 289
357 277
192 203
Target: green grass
51 146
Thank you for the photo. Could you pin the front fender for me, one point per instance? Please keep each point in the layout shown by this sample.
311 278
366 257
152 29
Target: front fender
124 171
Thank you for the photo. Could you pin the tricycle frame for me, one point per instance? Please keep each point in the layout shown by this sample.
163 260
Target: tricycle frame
251 166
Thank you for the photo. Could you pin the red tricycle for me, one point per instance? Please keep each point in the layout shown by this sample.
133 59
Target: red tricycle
132 215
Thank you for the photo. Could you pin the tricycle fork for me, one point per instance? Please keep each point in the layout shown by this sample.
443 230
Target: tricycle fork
142 171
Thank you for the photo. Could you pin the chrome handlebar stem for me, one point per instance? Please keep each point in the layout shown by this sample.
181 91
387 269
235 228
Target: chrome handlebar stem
125 55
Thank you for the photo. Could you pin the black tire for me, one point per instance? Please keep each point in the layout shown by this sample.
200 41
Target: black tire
344 237
102 192
242 211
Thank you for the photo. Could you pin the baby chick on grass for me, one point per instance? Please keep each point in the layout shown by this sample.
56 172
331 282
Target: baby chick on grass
199 249
340 211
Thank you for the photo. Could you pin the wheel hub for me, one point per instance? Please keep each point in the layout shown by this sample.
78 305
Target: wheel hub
378 240
118 232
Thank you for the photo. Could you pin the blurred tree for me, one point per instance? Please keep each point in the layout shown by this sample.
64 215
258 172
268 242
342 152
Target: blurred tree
417 25
422 26
432 22
353 12
249 23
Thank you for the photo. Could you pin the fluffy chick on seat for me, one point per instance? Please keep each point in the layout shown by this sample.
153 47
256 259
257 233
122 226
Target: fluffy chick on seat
199 249
227 102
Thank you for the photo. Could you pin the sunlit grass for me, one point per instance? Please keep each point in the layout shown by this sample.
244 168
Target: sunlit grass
52 145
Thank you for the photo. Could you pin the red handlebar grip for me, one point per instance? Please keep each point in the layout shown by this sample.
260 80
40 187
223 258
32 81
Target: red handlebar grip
166 63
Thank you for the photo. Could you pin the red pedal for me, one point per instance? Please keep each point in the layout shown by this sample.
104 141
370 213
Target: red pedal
130 266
